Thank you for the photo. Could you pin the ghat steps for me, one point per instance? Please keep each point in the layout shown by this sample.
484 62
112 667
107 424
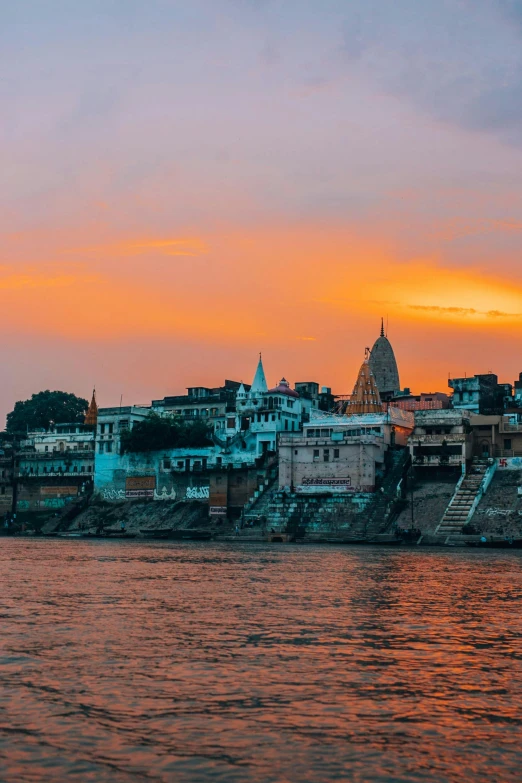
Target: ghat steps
458 511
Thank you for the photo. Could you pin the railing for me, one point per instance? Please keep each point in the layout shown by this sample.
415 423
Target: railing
66 456
449 438
438 459
506 427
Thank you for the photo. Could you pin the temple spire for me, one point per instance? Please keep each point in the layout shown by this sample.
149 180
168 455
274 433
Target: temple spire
365 397
382 327
91 417
259 384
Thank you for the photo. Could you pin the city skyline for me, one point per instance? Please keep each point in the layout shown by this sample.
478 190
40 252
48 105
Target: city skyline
228 177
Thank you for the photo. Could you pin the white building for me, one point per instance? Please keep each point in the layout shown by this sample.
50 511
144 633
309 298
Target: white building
339 453
263 413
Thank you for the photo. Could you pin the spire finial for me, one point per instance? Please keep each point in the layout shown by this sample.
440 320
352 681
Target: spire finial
382 327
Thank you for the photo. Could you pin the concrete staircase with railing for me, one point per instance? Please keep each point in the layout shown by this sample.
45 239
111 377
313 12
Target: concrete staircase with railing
466 497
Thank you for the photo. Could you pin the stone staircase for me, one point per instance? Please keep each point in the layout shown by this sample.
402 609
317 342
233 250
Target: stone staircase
458 512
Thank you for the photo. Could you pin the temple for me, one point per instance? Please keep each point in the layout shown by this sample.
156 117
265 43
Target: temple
384 366
91 417
365 397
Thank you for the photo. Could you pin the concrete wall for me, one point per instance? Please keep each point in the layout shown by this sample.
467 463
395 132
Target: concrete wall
353 470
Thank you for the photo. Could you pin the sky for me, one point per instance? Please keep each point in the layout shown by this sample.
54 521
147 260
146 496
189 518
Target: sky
185 184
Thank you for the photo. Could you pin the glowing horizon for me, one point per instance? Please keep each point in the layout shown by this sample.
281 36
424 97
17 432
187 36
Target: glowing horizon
205 182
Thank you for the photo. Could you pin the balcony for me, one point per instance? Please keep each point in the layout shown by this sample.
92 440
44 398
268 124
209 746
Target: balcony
449 438
435 460
64 456
507 427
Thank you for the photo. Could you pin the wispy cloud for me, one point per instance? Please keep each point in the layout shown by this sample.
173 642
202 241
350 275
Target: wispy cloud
189 246
464 311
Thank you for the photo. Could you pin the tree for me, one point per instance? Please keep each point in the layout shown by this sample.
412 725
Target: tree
156 433
44 409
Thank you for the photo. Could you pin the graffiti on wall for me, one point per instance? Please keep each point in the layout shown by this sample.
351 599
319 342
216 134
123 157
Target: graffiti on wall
510 463
164 495
198 493
113 494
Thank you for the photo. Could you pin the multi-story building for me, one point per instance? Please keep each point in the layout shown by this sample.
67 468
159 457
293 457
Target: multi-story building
54 467
6 477
263 413
66 450
441 438
424 401
112 422
216 405
480 394
344 453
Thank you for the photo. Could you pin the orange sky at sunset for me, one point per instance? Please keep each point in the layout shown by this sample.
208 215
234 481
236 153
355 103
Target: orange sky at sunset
215 180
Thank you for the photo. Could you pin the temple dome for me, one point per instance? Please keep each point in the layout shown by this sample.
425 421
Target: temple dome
283 387
384 366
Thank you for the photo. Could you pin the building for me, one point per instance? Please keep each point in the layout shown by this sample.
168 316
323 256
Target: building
346 452
217 405
54 467
424 401
263 413
441 438
339 453
480 394
324 400
6 477
497 436
384 366
112 422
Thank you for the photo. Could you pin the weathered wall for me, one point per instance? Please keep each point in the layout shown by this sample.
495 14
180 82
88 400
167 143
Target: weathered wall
48 494
355 467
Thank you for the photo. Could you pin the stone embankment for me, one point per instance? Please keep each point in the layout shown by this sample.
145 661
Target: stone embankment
139 515
500 510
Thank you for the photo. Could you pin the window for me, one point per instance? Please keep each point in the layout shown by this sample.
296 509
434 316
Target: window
166 464
102 429
295 451
47 448
507 443
286 424
336 453
124 425
100 448
326 455
316 454
180 463
75 469
82 470
273 416
109 446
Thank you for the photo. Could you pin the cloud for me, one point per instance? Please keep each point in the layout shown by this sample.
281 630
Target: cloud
165 247
464 311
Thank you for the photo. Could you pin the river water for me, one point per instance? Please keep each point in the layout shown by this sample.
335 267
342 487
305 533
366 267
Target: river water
128 661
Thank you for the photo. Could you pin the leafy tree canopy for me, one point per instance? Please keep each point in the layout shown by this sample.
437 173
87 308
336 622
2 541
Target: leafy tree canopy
157 434
45 408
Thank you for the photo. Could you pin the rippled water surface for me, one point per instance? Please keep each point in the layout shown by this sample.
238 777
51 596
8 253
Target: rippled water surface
127 661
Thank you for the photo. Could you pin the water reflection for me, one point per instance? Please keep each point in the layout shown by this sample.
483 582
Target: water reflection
123 661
